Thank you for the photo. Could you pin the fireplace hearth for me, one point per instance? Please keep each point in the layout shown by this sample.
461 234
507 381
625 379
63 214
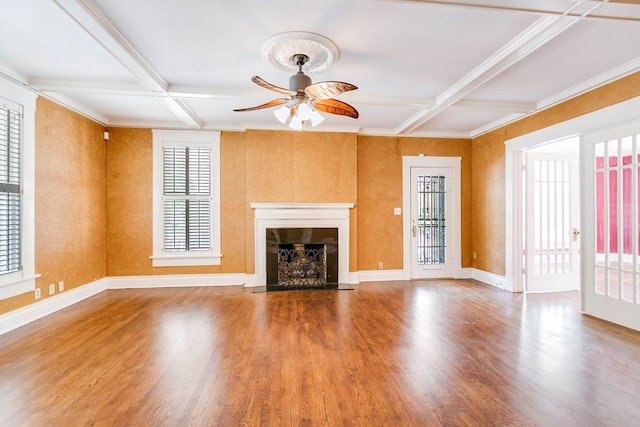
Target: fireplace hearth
302 258
301 216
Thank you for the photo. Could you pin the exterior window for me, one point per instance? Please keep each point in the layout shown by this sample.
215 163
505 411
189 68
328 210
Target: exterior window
10 192
186 198
17 189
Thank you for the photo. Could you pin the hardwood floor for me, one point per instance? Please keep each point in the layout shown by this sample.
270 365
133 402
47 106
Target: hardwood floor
422 353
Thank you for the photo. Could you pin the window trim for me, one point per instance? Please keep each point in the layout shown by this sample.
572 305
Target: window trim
23 281
190 258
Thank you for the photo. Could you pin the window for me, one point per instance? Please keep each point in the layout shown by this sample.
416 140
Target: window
10 194
186 198
17 177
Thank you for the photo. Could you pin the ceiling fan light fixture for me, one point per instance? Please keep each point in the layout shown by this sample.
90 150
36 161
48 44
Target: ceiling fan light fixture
304 111
296 123
282 114
316 118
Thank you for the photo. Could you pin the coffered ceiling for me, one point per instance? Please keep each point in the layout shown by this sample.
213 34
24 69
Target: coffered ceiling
423 68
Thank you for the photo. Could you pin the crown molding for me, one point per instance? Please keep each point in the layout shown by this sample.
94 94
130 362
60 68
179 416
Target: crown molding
76 107
591 84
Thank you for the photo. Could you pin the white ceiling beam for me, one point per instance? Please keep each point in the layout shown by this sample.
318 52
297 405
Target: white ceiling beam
527 42
182 93
89 17
537 9
96 88
494 107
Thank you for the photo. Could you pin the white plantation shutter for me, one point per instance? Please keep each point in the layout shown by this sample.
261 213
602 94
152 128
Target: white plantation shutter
10 191
187 198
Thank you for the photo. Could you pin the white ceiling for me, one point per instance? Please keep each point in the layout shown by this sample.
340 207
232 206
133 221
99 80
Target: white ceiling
423 68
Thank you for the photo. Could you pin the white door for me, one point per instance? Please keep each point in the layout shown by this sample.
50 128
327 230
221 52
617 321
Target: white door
552 247
431 231
611 212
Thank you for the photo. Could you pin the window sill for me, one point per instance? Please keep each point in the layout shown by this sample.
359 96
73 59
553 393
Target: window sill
17 286
184 260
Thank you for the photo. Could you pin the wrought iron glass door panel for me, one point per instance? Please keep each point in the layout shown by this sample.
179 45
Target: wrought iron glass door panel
430 209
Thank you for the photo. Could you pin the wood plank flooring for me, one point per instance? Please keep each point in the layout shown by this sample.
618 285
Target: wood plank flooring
422 353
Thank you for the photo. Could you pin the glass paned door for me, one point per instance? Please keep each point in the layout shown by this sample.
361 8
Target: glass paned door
552 257
430 232
612 268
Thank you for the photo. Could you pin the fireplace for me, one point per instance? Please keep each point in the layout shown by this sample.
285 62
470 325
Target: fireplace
316 218
302 258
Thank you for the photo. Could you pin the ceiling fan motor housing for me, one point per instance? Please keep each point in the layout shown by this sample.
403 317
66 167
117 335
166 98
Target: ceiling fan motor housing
299 81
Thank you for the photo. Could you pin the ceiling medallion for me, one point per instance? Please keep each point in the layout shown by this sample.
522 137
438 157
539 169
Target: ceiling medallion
280 49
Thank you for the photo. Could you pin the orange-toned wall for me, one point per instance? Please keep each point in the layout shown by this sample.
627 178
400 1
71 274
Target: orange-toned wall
70 204
256 166
301 167
380 191
129 205
488 166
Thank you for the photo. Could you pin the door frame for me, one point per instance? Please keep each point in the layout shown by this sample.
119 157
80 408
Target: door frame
608 117
453 163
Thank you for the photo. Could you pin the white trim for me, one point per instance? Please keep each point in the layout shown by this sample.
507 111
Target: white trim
606 118
184 261
380 275
467 273
24 281
15 284
353 278
300 215
210 139
489 278
454 163
22 316
77 107
176 281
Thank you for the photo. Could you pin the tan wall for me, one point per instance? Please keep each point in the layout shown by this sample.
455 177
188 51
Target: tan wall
489 163
130 199
257 166
70 205
301 167
380 191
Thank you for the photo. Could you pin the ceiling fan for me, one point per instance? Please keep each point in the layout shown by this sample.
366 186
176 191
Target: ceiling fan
305 99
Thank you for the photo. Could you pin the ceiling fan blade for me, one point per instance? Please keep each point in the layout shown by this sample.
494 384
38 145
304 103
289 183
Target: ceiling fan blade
269 104
260 82
333 106
325 90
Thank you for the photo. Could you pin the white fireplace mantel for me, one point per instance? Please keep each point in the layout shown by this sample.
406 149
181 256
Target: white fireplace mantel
301 215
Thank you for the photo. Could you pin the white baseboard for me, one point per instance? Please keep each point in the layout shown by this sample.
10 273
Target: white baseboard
22 316
466 273
489 278
176 281
380 275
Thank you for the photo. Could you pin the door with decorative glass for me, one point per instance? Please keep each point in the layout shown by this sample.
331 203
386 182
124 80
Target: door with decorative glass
610 166
431 227
552 256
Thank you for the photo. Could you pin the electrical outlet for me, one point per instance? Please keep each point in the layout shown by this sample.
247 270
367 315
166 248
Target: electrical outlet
60 286
52 289
380 265
37 293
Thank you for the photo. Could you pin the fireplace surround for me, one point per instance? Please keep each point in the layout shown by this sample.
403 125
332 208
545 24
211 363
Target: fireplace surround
301 216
